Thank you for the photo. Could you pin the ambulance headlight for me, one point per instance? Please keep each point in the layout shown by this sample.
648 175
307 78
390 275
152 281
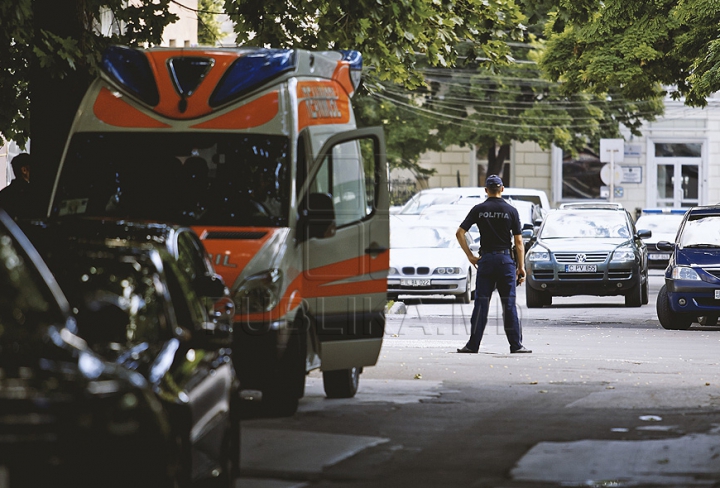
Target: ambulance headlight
259 292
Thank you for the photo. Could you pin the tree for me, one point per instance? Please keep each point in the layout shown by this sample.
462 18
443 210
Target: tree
209 29
392 36
640 50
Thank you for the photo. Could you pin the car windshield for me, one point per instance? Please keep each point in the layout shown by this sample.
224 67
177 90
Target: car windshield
701 232
27 306
585 224
660 224
192 178
421 201
423 237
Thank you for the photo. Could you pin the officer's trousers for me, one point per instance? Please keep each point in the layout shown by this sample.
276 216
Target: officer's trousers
495 271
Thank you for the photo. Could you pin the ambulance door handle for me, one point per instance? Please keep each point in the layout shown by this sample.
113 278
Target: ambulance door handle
375 250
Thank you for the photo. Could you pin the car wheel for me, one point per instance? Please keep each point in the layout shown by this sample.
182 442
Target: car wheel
708 320
467 296
645 292
341 383
633 298
669 319
281 398
535 298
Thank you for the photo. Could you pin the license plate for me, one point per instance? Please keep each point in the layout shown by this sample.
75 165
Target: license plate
658 256
414 282
580 268
717 294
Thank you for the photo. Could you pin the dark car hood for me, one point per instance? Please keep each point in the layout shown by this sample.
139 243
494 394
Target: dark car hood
591 244
698 257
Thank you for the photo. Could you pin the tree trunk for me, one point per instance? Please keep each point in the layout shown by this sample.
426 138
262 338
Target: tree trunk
496 159
53 101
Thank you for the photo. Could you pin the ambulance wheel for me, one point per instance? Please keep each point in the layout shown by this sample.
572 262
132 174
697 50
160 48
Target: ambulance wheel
668 319
281 398
341 383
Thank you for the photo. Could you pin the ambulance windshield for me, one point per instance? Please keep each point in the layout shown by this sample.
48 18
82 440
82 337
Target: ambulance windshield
190 178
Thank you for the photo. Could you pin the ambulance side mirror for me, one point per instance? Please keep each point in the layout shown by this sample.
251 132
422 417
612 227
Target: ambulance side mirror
317 217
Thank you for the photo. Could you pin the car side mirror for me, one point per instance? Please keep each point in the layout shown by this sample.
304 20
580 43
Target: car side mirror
528 226
317 217
475 246
537 222
644 233
666 246
527 233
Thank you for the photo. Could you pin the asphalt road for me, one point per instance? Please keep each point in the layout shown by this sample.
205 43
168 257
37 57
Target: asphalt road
607 398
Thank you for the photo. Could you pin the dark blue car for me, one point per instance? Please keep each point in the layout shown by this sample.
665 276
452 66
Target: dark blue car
692 279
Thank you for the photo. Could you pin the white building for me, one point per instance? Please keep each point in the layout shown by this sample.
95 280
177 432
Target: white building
675 163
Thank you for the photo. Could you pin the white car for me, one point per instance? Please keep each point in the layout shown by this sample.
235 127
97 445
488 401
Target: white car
426 259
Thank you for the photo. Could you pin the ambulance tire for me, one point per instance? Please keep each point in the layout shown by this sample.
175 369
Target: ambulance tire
341 383
281 397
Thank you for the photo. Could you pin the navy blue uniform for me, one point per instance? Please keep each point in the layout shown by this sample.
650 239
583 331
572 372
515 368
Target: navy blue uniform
498 222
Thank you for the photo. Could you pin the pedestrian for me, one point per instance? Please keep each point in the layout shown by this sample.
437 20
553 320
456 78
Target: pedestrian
15 198
499 225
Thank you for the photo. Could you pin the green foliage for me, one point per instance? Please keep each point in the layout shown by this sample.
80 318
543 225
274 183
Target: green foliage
408 132
393 36
144 23
635 49
209 28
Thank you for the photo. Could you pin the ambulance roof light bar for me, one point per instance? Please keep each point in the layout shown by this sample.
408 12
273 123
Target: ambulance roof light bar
354 59
130 68
252 70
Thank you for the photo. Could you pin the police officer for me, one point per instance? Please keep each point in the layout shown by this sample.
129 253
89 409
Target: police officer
497 221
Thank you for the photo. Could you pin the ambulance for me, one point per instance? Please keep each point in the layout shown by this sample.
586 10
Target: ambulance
258 151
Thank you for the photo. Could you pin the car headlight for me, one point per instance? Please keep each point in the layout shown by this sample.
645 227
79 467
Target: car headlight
685 273
392 271
448 271
259 292
623 255
538 256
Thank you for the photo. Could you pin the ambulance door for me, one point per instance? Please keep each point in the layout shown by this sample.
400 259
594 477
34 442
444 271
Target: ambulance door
343 230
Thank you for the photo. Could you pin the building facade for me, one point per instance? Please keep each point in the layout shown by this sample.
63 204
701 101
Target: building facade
674 163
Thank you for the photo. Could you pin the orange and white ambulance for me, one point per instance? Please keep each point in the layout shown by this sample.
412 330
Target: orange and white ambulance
257 149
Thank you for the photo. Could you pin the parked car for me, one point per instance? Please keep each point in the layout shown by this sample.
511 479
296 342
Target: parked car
664 224
691 292
70 417
137 309
179 241
587 252
426 259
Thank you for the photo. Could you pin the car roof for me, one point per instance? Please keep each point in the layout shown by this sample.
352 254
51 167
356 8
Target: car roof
592 206
704 211
663 211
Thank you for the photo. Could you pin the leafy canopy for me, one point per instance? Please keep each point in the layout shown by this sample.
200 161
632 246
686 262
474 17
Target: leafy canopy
637 49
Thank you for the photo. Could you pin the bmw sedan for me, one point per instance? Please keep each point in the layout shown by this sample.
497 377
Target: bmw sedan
426 259
588 251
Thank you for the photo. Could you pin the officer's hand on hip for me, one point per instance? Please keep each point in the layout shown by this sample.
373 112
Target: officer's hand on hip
520 276
473 259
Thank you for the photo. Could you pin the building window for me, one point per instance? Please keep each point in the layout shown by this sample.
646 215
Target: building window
171 42
186 43
687 150
581 175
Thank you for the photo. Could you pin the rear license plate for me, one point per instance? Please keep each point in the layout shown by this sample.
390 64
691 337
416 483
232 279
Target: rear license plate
653 255
414 282
717 294
581 268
